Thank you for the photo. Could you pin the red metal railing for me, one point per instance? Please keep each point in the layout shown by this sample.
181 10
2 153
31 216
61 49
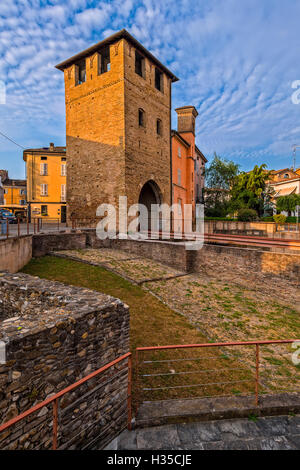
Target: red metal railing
54 400
259 369
37 225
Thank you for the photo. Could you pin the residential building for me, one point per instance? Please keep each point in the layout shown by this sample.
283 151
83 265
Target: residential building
118 123
188 164
284 183
46 182
14 191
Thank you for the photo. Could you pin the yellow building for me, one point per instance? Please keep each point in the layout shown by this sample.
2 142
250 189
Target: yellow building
46 182
14 192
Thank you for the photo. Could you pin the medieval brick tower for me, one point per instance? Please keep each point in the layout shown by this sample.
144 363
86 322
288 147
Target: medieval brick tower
118 116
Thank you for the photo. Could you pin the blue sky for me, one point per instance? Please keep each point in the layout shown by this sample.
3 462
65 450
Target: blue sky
236 61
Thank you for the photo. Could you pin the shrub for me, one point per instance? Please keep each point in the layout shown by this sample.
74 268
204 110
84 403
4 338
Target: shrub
279 219
247 215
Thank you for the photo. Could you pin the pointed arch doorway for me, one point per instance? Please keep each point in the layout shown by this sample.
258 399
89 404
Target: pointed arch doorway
150 194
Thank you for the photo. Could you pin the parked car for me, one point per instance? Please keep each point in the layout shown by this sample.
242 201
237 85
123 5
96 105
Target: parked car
7 215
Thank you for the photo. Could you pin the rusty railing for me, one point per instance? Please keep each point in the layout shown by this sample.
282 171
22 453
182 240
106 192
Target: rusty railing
240 371
56 409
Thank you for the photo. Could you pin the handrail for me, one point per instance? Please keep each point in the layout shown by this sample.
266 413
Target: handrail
54 399
257 344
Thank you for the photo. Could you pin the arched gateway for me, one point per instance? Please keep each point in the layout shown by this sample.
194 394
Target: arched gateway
150 194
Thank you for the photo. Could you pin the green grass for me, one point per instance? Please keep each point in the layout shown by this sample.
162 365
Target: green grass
152 323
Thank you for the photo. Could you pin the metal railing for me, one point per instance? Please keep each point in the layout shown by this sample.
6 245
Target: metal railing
63 410
38 224
243 368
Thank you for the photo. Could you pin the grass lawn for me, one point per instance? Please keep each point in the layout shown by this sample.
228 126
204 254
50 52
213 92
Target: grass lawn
223 311
151 322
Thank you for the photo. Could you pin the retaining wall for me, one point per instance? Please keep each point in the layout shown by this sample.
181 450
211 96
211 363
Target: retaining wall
54 335
15 253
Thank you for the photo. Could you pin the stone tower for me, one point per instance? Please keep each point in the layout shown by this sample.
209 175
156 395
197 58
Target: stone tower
118 117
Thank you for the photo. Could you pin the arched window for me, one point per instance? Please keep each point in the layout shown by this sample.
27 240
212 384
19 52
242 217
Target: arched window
142 119
158 127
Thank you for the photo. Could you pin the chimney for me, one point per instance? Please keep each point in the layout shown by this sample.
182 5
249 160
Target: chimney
186 117
51 146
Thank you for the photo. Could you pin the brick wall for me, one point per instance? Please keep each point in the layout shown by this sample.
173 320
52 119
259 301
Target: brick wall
108 153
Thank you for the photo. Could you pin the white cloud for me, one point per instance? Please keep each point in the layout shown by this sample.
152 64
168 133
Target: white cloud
236 62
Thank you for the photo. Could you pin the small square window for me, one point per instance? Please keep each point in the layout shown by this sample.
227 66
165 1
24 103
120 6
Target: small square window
158 127
139 64
141 118
158 80
80 75
104 61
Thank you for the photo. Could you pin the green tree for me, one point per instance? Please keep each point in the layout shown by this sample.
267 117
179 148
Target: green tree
248 189
288 203
218 178
220 173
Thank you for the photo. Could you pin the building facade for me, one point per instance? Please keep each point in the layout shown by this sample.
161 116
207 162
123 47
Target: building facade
14 191
188 165
118 134
284 183
46 172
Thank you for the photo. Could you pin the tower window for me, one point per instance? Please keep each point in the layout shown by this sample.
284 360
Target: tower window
104 61
179 152
158 80
80 74
142 118
139 64
158 127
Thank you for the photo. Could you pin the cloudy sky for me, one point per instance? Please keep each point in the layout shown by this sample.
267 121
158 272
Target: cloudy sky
236 60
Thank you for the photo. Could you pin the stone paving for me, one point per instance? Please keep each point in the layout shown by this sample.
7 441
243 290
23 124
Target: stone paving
272 433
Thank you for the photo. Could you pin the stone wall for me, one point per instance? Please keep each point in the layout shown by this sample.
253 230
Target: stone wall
108 152
258 229
15 253
226 259
54 335
210 257
44 243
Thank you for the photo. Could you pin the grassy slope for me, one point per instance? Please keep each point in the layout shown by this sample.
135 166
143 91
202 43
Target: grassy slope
151 322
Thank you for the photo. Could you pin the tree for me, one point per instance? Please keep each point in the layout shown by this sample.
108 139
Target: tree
220 173
288 203
218 178
248 189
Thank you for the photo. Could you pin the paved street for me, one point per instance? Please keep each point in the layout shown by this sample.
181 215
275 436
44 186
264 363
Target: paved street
272 433
46 227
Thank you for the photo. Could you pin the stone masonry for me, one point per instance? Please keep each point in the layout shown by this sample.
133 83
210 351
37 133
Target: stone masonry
109 153
54 335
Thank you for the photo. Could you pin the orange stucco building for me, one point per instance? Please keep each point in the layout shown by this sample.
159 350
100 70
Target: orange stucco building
188 164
